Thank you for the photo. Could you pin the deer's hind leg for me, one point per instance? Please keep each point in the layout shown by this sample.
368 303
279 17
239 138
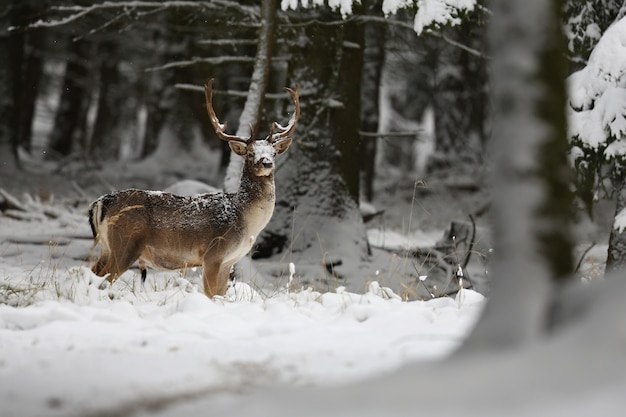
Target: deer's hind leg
215 278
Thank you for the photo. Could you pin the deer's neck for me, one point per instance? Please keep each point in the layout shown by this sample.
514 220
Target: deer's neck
256 197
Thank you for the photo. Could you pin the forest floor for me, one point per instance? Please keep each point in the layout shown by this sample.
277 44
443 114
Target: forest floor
412 209
416 209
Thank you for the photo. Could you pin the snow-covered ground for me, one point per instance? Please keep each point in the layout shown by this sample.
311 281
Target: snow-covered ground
69 348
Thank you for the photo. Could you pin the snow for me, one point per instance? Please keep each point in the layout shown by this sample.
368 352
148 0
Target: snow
598 95
619 224
344 6
429 12
70 347
440 12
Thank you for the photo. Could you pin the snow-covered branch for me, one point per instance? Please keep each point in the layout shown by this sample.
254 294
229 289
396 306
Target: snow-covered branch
430 13
406 25
76 12
227 42
218 60
597 106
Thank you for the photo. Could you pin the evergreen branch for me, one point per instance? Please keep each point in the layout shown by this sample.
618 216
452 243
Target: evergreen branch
410 26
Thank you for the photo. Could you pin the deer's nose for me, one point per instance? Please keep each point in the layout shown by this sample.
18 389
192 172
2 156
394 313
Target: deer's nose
268 164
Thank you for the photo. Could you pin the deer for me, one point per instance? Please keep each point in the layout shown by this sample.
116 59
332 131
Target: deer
165 231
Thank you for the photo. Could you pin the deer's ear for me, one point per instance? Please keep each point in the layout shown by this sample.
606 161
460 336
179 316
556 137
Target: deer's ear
282 145
238 147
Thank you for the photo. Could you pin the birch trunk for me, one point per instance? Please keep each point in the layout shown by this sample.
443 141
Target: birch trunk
251 114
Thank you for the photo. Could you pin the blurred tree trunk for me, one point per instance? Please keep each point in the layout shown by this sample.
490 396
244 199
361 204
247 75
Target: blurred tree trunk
11 56
345 120
69 120
159 101
31 77
374 60
460 94
105 140
160 94
531 177
616 256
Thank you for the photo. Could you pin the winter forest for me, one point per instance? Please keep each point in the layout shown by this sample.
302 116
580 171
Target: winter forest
448 234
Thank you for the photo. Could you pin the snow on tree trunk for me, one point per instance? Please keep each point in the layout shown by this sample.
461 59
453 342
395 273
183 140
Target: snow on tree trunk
530 176
252 110
616 257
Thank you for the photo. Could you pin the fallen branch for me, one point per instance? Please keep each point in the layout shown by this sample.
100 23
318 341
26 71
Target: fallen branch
9 202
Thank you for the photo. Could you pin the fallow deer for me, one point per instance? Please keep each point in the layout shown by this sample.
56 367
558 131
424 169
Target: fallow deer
169 232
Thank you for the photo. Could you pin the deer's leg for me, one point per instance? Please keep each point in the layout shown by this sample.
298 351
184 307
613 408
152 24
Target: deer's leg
222 280
210 274
120 261
142 269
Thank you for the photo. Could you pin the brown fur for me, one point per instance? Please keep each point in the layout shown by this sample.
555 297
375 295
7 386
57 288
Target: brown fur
170 232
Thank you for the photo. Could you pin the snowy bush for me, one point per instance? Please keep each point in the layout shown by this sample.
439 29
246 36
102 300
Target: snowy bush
597 110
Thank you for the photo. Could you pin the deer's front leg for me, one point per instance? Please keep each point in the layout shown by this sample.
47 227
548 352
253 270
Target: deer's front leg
215 277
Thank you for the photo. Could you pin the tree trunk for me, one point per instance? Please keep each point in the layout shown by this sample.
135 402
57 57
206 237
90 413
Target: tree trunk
11 56
531 176
316 222
105 140
72 110
252 109
159 102
31 76
616 256
345 120
374 60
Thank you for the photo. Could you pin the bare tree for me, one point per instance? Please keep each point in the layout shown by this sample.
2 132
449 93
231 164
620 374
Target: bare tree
345 119
11 54
251 114
373 61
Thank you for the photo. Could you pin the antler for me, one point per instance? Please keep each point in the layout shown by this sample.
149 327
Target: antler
286 131
219 127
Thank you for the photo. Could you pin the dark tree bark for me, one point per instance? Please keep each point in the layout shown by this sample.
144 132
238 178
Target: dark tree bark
374 60
159 102
75 93
345 120
31 77
11 56
105 140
